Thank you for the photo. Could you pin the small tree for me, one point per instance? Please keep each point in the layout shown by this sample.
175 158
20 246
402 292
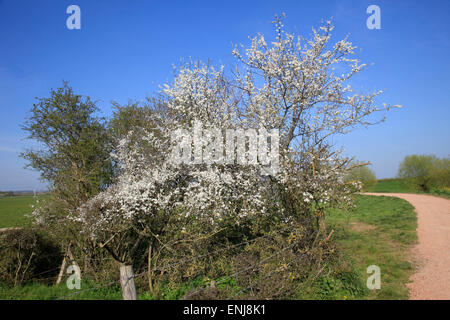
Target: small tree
441 173
418 169
425 172
73 156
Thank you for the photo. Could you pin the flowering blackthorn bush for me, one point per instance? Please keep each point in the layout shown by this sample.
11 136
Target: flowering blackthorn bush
290 85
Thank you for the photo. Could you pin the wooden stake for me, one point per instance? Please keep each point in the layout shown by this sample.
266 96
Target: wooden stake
127 282
61 270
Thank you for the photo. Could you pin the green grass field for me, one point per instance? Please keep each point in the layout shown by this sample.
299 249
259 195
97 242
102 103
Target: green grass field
401 186
392 185
13 210
379 232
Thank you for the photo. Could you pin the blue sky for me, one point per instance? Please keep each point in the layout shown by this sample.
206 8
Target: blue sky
126 49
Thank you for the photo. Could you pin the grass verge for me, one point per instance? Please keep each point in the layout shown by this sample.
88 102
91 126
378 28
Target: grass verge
39 291
379 232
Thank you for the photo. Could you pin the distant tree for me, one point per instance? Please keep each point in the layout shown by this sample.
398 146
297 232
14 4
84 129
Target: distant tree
361 172
418 170
440 173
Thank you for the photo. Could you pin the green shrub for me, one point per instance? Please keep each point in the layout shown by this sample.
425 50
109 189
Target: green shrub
440 174
363 174
425 172
26 255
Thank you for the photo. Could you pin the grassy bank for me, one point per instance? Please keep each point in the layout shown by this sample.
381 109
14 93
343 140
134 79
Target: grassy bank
392 185
38 291
379 232
402 186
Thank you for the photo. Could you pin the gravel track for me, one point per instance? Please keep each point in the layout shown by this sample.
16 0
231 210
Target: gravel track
432 253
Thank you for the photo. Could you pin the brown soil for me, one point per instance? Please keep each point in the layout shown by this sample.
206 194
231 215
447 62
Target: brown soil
361 226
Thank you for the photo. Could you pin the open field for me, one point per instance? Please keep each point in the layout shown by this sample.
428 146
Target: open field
391 185
378 232
13 210
401 186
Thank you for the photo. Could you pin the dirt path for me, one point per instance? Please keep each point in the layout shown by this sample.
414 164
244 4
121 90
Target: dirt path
432 281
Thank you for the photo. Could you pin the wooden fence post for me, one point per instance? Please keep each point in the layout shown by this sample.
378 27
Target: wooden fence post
127 282
68 257
61 270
